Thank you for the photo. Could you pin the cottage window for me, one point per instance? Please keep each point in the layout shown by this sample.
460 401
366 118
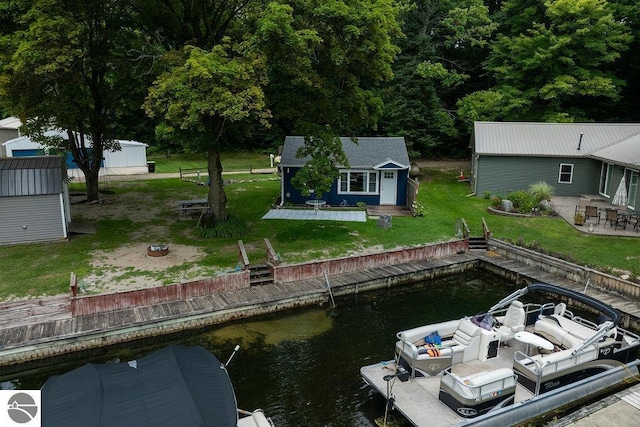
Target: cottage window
358 182
566 173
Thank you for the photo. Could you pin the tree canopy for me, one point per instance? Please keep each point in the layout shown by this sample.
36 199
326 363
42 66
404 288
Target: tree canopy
213 75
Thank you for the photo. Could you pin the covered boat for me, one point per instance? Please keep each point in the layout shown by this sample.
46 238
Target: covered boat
175 386
515 362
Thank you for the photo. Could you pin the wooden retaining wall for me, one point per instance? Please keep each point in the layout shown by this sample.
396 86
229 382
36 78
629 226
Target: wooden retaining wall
574 272
94 304
297 272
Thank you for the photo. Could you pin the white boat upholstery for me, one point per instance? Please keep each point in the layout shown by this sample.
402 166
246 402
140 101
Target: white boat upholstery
465 341
549 329
476 385
579 330
513 322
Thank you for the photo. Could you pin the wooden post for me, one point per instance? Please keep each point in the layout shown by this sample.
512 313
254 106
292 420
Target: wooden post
73 285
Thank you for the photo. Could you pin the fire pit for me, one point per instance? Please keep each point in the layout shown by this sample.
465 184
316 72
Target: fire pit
157 250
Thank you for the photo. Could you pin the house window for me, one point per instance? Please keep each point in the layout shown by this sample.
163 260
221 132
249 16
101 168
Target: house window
566 173
358 182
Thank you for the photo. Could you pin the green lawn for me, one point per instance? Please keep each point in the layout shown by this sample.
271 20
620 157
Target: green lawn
444 199
234 161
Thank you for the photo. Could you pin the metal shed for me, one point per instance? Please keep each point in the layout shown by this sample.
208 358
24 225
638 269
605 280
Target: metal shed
34 199
129 160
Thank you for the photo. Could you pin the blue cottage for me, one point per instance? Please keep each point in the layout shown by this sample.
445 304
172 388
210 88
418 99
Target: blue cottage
378 172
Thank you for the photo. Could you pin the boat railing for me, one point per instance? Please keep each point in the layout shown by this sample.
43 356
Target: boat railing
584 322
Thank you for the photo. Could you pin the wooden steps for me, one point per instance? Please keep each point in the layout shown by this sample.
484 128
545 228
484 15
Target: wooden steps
260 274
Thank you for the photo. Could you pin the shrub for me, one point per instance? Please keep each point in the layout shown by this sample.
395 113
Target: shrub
541 191
523 201
487 195
233 227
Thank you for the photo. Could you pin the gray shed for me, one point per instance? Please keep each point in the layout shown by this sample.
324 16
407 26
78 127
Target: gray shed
34 199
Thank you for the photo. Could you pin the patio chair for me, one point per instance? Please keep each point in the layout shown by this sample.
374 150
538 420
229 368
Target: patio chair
582 206
592 212
634 219
614 219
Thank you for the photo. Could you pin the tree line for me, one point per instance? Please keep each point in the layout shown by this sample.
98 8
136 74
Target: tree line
213 75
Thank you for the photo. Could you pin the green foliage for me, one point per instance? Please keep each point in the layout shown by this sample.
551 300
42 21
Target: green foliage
522 200
233 227
541 191
549 65
320 172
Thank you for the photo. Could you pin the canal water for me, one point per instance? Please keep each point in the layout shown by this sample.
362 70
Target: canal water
302 366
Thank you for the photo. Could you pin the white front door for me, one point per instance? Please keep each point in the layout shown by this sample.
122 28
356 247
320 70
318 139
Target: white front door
388 187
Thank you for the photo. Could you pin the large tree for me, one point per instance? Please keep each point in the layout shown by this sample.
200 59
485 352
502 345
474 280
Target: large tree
300 65
551 62
77 66
443 46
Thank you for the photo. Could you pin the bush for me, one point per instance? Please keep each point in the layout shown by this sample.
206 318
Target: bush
233 227
523 201
541 191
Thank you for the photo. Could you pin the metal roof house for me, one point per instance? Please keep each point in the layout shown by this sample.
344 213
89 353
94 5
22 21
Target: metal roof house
575 158
34 199
377 175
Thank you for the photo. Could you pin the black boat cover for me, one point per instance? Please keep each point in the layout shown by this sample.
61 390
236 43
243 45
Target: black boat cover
177 386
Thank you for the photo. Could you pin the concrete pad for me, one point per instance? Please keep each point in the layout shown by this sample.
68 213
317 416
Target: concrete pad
319 215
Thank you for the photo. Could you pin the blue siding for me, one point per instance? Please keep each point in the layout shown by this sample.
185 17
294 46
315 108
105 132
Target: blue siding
293 196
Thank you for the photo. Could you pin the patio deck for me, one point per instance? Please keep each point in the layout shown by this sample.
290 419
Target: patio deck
565 206
319 215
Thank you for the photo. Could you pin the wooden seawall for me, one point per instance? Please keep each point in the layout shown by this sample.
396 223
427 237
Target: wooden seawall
37 330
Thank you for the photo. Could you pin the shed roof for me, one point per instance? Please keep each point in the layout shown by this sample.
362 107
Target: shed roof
548 139
366 153
29 176
10 123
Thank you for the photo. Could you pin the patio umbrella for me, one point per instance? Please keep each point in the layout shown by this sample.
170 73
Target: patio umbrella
620 198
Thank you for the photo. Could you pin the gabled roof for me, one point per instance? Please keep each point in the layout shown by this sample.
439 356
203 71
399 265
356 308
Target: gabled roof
548 139
625 152
367 153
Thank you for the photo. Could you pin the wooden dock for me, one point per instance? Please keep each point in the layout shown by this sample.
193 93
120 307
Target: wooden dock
42 328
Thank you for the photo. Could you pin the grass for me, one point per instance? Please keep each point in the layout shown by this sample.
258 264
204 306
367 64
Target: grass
443 198
234 161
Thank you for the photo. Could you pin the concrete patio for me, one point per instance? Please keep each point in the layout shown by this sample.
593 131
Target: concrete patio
317 215
565 206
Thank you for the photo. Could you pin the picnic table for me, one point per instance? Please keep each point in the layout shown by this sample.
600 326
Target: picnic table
185 206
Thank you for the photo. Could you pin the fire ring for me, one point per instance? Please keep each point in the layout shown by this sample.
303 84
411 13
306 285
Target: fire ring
157 250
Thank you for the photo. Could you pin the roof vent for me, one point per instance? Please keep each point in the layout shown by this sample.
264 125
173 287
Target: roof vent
580 141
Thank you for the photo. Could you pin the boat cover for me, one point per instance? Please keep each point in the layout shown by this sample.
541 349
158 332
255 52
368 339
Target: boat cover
176 386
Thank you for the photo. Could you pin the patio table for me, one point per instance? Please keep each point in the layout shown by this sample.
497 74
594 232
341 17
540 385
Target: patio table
316 204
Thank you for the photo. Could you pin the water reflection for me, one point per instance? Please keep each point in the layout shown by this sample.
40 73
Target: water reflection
302 366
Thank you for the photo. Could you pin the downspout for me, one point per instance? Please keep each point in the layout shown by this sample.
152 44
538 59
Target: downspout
281 186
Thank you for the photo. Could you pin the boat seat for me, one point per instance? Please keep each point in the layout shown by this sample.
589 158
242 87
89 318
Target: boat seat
577 329
482 383
423 353
465 341
513 322
549 329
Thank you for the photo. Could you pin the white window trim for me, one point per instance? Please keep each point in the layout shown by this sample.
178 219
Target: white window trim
366 182
560 173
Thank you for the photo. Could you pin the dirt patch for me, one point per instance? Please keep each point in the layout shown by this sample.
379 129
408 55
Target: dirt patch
130 267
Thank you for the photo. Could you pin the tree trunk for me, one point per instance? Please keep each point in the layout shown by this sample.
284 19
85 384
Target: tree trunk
91 183
217 196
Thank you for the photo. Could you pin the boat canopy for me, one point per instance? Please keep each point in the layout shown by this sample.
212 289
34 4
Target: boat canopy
177 386
614 315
